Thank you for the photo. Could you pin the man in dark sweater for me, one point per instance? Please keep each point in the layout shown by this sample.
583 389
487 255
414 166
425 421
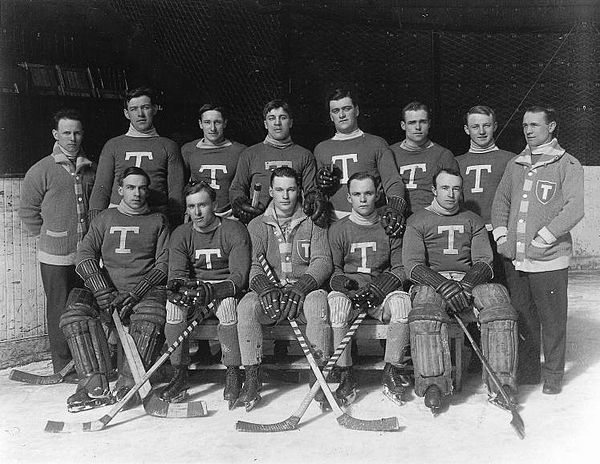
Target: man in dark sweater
54 206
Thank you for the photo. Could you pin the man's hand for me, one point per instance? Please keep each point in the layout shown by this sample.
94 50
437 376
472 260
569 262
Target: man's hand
105 297
244 211
455 296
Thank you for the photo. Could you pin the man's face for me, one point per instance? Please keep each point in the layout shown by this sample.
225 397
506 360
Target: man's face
278 123
536 130
362 196
344 115
213 126
201 209
284 192
69 135
134 191
416 126
448 190
140 111
481 128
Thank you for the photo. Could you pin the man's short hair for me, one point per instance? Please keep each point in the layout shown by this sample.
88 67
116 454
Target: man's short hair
195 187
338 94
549 112
212 107
416 106
277 103
66 113
451 171
133 171
139 92
285 171
361 176
480 109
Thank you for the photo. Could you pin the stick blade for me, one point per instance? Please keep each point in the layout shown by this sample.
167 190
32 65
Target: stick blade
518 424
156 407
36 379
291 423
386 424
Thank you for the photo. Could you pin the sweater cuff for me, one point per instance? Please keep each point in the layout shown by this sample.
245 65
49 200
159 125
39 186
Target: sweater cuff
499 232
547 235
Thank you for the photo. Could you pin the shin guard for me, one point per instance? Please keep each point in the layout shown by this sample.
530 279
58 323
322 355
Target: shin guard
397 305
340 310
318 330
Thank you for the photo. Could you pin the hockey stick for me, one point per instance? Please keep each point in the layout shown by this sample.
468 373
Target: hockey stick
345 420
517 421
99 424
35 379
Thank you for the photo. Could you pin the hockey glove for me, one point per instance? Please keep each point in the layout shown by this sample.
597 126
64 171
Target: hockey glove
344 284
244 211
176 293
455 296
393 217
317 208
381 285
105 297
328 180
293 300
480 273
268 294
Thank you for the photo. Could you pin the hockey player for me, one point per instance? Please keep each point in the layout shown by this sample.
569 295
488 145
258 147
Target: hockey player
215 252
142 147
257 162
132 243
298 251
447 253
350 151
365 257
213 158
538 201
417 157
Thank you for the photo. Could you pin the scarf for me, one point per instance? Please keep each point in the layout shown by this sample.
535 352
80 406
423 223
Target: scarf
203 143
281 144
436 208
352 135
133 132
123 208
474 148
409 146
370 220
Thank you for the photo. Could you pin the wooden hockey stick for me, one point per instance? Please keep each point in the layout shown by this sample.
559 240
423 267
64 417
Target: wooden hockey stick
517 421
255 193
36 379
99 424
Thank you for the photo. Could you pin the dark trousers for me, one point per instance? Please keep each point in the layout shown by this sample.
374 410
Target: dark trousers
540 298
58 282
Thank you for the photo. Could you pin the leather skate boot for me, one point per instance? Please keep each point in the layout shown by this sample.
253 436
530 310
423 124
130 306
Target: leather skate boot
122 387
394 383
552 387
346 391
433 399
320 396
249 395
176 390
233 385
90 394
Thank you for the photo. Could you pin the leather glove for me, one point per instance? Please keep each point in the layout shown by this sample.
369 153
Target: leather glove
124 303
202 294
328 180
455 296
393 219
344 284
317 208
244 211
105 297
269 295
381 285
293 300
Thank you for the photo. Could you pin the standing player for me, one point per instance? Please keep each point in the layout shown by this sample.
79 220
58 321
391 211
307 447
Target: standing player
447 252
54 205
298 251
539 200
215 252
417 157
142 147
132 243
365 257
258 162
350 151
213 158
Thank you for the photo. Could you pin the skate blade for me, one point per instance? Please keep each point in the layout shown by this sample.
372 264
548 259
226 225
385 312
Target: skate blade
249 405
348 400
179 398
95 403
499 403
392 396
231 404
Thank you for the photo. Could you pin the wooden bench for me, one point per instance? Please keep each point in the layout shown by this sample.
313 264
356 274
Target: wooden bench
370 329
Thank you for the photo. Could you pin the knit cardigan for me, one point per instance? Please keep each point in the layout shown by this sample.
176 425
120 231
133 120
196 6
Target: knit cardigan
544 199
54 205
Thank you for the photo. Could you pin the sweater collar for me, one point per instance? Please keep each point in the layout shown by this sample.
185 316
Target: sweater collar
409 146
549 152
205 144
281 144
474 148
352 135
133 132
123 208
60 158
436 208
270 217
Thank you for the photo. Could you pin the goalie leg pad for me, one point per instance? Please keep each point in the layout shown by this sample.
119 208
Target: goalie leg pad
86 339
318 330
499 335
340 312
250 336
147 324
430 350
396 308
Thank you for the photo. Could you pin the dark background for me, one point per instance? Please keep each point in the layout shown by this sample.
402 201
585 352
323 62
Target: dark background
449 54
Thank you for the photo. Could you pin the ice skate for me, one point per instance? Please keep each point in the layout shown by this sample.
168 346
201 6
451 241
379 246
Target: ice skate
233 385
394 383
250 396
176 390
346 391
433 399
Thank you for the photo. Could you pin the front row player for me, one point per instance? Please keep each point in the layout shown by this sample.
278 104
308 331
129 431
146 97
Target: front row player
365 257
447 253
214 252
298 252
132 243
